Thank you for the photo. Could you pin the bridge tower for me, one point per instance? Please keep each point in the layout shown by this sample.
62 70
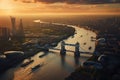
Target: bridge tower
63 50
77 51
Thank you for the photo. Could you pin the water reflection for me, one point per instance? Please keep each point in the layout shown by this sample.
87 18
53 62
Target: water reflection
76 60
63 60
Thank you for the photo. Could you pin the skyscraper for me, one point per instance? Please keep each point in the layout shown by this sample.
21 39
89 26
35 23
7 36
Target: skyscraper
13 26
20 29
4 33
17 32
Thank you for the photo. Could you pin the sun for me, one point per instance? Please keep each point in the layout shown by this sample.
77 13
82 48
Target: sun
6 6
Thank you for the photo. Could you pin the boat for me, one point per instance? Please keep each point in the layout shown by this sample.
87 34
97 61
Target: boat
81 36
36 67
27 63
90 48
93 39
84 43
41 56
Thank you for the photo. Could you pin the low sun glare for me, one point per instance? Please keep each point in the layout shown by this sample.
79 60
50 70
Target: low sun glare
12 7
6 6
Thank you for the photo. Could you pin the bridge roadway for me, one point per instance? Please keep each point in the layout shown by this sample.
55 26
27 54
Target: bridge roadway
70 44
71 51
52 48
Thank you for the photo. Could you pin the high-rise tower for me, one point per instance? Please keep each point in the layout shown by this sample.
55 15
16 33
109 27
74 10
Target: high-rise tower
4 33
20 29
13 26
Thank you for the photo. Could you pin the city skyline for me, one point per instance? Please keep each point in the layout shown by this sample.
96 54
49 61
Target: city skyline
14 7
14 32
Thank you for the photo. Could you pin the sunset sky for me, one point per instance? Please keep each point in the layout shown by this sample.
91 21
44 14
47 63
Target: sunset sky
9 7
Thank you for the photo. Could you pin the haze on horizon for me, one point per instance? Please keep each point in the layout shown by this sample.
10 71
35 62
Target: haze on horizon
14 7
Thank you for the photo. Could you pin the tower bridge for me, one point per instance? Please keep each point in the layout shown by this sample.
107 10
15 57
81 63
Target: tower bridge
76 45
63 50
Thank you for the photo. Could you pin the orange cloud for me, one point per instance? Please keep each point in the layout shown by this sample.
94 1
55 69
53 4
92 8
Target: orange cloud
18 7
